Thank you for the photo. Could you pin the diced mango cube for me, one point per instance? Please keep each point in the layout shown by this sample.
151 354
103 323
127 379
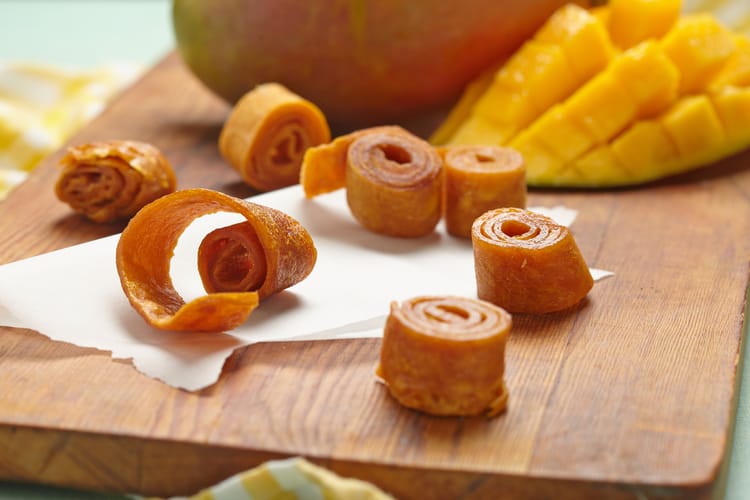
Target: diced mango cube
542 166
479 130
603 107
649 76
695 128
736 71
699 45
462 109
599 168
561 135
583 38
645 150
532 73
507 109
732 105
633 21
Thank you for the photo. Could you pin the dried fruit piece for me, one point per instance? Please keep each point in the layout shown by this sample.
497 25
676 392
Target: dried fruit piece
110 180
526 263
146 245
232 259
445 355
394 183
323 167
267 134
477 179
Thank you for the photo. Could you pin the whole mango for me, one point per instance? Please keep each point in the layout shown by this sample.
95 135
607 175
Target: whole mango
363 62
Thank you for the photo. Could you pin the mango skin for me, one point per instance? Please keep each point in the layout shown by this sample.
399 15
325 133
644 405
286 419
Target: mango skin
363 62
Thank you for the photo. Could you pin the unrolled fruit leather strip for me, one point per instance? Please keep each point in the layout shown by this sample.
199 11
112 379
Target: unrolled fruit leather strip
526 263
146 245
110 180
323 167
267 134
478 179
445 355
394 183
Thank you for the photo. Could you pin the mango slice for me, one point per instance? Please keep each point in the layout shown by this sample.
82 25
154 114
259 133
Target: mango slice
568 49
636 84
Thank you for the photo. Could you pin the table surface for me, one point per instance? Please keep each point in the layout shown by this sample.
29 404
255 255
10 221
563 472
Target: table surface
86 33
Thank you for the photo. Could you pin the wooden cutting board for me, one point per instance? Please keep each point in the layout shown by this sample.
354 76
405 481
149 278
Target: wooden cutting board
631 395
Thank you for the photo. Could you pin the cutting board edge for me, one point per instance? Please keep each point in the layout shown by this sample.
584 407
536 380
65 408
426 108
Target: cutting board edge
137 465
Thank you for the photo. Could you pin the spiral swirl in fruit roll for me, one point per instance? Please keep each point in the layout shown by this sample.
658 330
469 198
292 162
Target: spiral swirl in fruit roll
110 180
445 355
478 179
526 263
146 245
267 134
394 183
324 166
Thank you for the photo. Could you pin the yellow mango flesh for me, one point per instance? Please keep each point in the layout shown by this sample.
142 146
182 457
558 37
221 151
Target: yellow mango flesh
674 98
699 46
633 21
736 71
567 50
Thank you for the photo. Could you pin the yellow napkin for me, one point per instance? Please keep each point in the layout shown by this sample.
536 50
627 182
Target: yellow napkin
41 106
289 479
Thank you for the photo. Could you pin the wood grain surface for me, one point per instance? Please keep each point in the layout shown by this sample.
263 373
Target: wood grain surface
631 394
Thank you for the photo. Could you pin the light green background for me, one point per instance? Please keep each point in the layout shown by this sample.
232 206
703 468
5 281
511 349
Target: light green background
86 33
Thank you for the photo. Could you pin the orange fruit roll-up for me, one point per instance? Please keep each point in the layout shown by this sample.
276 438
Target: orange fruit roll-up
267 133
146 245
394 184
526 263
445 355
478 179
111 180
323 167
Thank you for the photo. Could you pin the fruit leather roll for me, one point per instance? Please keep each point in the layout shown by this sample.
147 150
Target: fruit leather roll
111 180
394 183
146 245
267 134
526 263
445 355
324 167
478 179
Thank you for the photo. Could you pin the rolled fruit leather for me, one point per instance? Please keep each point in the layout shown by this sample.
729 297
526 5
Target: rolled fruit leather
267 133
478 179
524 262
445 355
146 245
394 184
111 180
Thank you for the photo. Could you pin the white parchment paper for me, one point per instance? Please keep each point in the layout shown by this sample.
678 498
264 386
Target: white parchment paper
74 294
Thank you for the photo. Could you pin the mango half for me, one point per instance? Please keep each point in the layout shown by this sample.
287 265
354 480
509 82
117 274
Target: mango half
673 95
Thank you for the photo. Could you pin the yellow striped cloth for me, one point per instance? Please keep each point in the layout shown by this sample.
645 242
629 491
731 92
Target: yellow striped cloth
41 106
290 479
